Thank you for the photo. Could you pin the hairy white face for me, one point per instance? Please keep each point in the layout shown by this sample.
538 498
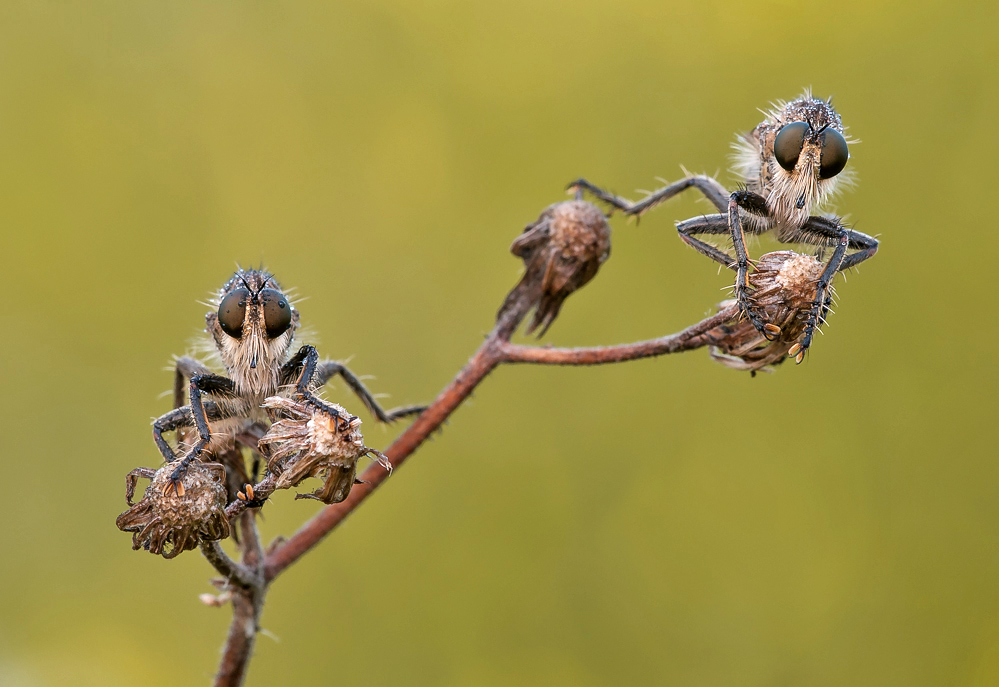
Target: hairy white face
795 158
253 329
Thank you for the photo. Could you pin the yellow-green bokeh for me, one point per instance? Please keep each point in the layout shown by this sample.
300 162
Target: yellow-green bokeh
667 522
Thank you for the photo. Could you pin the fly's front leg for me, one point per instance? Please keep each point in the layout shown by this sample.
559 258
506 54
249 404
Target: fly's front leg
828 232
209 383
184 369
757 206
711 189
305 363
816 313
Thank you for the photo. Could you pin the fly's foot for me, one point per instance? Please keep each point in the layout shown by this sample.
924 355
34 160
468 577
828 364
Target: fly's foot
174 485
797 351
249 497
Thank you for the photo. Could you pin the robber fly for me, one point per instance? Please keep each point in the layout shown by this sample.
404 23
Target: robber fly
790 164
252 326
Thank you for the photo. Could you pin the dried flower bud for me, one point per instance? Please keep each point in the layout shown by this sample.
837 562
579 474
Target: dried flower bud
169 520
785 288
309 442
216 601
562 251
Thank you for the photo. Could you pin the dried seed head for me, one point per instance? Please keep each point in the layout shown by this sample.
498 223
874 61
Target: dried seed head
169 520
785 288
562 251
308 442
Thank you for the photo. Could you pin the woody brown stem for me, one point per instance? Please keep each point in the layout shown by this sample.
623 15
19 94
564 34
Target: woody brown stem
233 572
686 340
247 603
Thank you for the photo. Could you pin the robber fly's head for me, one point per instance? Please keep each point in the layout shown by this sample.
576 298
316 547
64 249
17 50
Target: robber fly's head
802 150
253 329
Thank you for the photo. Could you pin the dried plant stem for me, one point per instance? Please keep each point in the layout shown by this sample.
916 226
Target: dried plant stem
247 603
688 339
234 573
495 350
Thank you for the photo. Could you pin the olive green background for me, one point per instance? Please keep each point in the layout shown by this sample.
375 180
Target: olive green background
659 522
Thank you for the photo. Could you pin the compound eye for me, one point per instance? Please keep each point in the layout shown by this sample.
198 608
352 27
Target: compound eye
277 312
787 145
232 312
835 153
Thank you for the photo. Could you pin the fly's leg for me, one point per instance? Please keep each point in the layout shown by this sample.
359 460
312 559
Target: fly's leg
830 232
324 371
184 369
755 205
305 363
706 224
195 414
330 368
711 189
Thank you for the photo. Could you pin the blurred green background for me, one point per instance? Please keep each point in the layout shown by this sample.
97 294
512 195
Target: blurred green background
660 522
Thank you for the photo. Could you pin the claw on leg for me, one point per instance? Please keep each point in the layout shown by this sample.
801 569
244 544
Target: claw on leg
175 485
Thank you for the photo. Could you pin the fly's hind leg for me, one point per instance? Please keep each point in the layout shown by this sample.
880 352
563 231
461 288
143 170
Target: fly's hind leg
711 189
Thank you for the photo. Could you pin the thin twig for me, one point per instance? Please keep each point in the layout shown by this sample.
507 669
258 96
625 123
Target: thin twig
247 604
686 340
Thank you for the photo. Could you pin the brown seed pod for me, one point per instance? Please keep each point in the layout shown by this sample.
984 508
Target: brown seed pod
172 518
308 442
562 251
785 287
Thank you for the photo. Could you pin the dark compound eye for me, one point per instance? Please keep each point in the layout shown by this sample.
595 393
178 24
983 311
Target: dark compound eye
232 311
787 145
835 153
277 312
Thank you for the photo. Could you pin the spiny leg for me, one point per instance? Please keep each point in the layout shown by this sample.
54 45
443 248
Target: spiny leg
209 383
719 224
180 418
325 371
711 189
706 224
184 369
330 368
828 232
301 370
817 312
755 205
